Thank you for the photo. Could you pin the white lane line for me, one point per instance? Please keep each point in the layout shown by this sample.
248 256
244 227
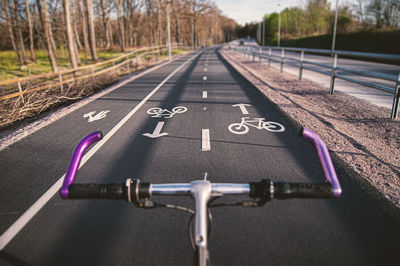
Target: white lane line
205 70
14 229
205 140
204 95
37 125
205 78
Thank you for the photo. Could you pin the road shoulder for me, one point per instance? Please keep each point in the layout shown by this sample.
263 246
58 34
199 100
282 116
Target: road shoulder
358 133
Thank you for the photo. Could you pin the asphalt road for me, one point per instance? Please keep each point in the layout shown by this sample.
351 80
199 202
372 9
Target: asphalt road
360 228
374 96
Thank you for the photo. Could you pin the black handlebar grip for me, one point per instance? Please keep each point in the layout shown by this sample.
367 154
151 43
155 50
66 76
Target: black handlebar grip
97 191
302 190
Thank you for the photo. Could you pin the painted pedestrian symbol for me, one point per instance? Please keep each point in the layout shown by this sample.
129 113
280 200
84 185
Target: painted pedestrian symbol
159 112
98 116
259 123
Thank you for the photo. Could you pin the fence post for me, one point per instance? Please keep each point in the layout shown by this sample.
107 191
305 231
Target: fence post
92 72
269 57
127 62
282 59
20 90
396 99
61 84
333 76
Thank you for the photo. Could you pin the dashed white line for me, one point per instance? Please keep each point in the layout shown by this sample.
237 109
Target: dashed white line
15 228
205 78
204 94
205 140
205 70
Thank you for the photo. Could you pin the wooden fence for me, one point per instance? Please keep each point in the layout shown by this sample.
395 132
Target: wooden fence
19 86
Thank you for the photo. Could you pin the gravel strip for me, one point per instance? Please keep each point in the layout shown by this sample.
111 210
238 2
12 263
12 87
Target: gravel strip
362 135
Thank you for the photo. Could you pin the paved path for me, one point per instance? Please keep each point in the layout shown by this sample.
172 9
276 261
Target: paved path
195 97
374 96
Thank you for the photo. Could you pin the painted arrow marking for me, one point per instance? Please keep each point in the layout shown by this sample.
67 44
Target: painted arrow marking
156 133
242 107
98 116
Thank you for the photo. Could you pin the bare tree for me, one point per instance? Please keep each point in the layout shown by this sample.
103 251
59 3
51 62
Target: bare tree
92 36
11 32
44 18
70 35
121 29
105 8
17 25
84 27
28 17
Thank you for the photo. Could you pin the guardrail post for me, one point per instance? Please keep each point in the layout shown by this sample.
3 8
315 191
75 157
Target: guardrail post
301 65
254 55
396 99
333 76
259 54
282 59
269 57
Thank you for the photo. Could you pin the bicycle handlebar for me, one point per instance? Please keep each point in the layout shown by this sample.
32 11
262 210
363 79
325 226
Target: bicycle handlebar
324 158
264 190
76 160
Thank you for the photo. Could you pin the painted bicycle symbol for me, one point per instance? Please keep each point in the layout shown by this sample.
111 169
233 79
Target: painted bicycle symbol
159 112
259 123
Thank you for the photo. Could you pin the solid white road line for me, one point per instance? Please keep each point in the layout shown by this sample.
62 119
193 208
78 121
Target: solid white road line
21 133
204 94
205 140
15 228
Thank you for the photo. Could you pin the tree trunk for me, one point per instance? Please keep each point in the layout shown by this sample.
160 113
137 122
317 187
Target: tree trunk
149 7
70 36
44 18
75 16
50 30
159 42
120 25
104 16
28 16
17 25
84 28
11 33
92 37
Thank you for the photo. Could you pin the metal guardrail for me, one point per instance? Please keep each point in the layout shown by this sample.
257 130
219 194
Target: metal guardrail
329 69
23 85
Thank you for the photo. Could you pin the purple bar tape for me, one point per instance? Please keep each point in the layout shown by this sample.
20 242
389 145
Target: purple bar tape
325 159
76 160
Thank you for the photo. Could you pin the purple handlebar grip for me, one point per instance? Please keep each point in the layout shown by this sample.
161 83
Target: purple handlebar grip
325 159
76 160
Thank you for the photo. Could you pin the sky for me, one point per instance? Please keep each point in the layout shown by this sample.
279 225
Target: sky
252 10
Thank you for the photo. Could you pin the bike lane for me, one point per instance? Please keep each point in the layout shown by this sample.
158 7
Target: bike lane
37 161
105 232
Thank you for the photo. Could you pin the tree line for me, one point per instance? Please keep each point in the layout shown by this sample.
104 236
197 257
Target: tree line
86 25
316 17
